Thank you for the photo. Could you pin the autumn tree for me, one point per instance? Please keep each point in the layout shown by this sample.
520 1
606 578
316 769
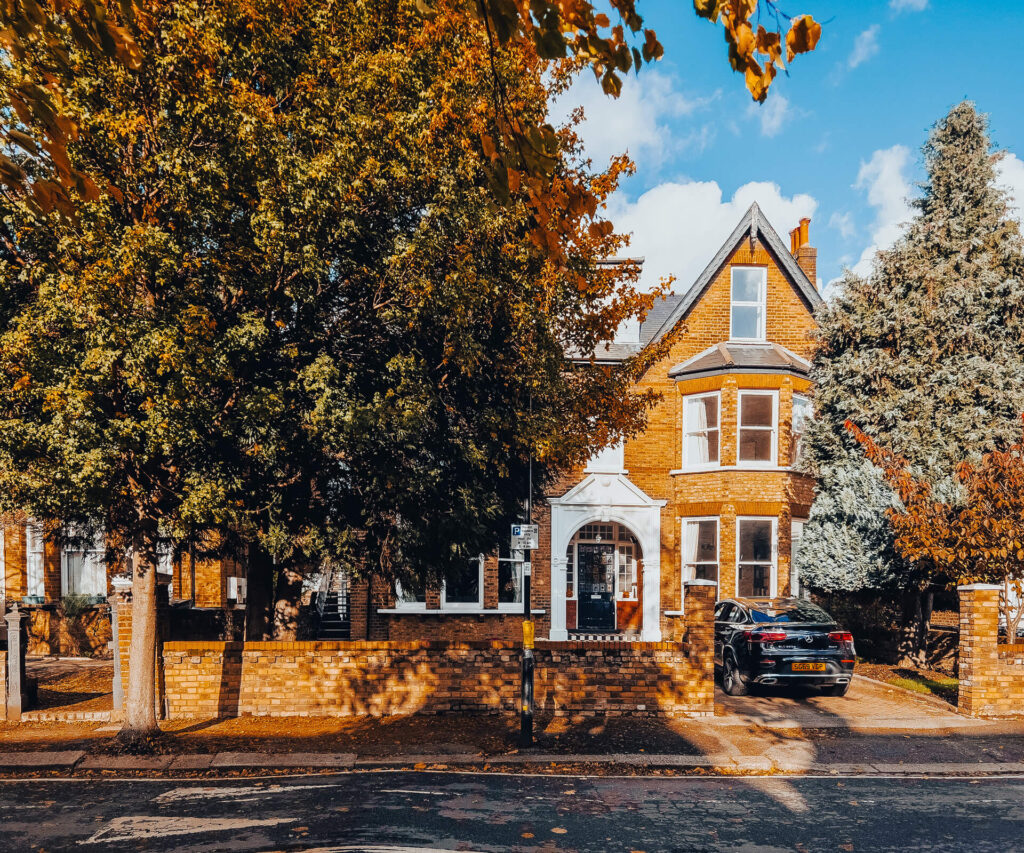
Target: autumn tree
974 535
926 355
298 280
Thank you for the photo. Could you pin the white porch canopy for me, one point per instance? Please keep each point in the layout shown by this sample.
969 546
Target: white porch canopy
608 498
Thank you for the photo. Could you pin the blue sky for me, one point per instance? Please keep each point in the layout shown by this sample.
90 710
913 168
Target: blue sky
838 140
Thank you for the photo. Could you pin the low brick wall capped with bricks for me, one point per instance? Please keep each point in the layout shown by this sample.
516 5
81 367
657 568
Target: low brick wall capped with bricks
203 680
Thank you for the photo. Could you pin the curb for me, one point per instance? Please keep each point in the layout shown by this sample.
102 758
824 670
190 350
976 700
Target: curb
73 761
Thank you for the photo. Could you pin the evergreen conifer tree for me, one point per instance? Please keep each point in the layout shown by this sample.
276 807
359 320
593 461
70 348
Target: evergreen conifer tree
926 355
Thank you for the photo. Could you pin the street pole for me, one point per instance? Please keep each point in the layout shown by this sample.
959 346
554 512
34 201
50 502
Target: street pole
526 715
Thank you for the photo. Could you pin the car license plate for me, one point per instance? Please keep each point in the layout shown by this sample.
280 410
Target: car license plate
806 666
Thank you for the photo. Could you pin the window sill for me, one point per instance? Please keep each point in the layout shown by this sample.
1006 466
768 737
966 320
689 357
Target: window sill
476 611
779 469
674 613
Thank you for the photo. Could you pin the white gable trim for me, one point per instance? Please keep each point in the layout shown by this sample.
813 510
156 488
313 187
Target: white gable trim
608 498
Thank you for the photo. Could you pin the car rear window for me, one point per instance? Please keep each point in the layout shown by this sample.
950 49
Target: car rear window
790 611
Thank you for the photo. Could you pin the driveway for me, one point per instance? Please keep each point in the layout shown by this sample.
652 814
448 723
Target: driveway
868 706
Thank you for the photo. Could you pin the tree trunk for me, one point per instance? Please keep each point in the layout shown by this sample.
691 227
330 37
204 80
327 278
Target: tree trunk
287 597
914 627
140 724
260 575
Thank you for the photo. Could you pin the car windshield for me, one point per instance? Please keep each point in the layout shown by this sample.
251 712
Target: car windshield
795 611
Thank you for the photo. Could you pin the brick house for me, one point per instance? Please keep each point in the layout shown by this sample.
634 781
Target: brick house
708 491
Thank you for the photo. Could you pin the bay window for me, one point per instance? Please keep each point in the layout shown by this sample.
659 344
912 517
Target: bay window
701 430
756 555
758 427
700 549
802 413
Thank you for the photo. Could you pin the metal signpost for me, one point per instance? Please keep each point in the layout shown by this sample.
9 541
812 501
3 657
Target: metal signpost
525 538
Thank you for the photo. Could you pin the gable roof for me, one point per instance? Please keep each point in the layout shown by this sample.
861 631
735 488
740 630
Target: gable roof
752 226
742 358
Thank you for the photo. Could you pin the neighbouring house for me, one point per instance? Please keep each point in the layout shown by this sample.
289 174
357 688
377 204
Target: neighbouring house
709 491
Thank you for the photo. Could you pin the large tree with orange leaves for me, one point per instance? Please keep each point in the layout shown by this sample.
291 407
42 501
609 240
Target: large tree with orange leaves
975 534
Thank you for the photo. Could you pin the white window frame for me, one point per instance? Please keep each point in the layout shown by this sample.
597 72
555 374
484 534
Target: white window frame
621 595
613 461
761 304
688 570
35 560
794 575
510 606
401 604
804 399
97 551
773 584
689 465
467 605
773 459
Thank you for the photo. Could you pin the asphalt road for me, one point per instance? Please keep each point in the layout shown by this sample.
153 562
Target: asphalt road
405 812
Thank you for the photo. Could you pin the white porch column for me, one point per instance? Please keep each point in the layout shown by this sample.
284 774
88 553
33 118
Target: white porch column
650 626
558 631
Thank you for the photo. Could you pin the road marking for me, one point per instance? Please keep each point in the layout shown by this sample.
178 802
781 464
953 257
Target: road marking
378 848
210 792
144 827
410 791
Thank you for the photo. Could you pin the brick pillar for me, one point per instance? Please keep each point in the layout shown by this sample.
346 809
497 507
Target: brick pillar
15 568
979 646
51 569
121 627
699 607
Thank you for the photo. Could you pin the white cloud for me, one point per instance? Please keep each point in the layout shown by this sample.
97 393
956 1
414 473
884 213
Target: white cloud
888 188
843 223
1010 176
773 113
908 5
635 122
864 46
678 227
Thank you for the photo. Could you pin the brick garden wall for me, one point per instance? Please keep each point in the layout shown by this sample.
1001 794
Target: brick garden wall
991 673
203 680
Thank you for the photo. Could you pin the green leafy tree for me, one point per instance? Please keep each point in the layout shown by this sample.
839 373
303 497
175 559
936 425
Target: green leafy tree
294 321
926 355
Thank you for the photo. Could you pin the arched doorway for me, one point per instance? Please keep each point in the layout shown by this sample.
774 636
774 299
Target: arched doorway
604 566
603 498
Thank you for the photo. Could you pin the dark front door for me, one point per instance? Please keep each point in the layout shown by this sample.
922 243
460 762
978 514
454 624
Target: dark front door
596 594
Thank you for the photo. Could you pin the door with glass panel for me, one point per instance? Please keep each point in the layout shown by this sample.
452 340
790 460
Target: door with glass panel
596 590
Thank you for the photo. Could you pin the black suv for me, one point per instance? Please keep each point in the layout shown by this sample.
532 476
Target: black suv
780 641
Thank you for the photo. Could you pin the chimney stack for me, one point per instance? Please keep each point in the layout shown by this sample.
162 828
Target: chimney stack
805 254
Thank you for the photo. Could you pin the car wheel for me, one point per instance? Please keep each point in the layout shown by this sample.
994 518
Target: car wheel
732 684
836 689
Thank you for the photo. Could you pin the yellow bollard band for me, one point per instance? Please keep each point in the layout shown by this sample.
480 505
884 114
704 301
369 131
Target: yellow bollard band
528 634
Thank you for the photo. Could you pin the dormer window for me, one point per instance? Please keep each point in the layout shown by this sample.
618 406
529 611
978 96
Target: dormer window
749 294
